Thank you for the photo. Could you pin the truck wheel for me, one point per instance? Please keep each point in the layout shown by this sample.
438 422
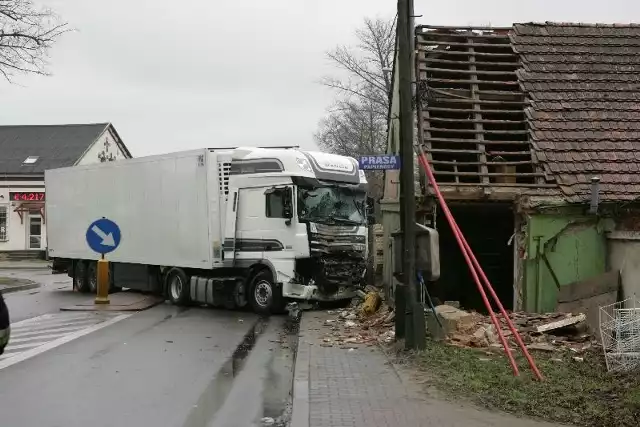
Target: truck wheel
264 296
80 277
177 287
92 278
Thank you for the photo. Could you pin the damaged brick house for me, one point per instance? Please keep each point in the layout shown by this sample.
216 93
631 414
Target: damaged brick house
518 124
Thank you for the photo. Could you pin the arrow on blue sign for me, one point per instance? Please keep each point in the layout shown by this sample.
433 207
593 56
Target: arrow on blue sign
103 236
381 162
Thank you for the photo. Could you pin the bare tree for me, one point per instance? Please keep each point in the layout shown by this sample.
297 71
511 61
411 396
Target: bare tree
27 33
357 122
365 65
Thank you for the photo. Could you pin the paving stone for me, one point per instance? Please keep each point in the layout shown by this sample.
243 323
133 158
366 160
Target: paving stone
362 389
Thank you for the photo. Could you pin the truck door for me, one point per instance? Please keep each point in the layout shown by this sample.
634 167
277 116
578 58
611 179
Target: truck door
279 231
250 225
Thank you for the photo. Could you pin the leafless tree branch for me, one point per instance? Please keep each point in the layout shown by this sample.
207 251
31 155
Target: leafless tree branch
356 124
27 34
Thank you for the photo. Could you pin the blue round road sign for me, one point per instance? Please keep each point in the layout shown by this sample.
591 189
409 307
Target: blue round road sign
103 236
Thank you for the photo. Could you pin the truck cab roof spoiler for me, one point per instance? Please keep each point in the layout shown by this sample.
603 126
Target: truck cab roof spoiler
277 147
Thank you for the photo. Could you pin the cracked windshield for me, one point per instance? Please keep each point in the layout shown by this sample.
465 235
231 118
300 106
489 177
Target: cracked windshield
304 213
328 205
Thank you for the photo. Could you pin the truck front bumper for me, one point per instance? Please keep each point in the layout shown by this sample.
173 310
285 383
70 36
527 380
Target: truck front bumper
298 291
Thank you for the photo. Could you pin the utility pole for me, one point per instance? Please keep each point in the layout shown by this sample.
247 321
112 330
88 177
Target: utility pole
415 329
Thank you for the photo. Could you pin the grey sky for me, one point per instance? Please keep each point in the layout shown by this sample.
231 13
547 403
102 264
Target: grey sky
195 73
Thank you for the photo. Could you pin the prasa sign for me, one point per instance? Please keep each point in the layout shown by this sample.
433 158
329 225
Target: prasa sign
382 162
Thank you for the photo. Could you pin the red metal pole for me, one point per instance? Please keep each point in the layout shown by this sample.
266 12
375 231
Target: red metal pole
459 238
512 328
475 267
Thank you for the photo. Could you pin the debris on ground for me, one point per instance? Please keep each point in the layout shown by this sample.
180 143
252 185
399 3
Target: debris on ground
365 322
542 332
371 321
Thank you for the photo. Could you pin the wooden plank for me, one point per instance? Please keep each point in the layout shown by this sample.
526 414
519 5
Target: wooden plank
571 320
424 41
472 141
431 60
473 131
482 82
469 110
477 116
470 72
467 28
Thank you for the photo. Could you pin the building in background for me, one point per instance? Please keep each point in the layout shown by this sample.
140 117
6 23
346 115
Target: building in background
25 153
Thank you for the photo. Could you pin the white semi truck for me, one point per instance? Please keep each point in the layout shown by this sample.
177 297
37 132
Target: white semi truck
221 227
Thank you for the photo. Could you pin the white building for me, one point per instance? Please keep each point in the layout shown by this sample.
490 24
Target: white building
25 153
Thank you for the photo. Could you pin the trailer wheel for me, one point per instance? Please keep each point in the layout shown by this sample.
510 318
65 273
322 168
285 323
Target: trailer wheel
177 286
92 277
264 296
80 277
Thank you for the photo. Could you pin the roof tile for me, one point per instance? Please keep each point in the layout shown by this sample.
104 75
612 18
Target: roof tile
583 81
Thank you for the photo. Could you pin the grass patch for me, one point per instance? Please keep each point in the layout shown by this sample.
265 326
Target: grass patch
579 393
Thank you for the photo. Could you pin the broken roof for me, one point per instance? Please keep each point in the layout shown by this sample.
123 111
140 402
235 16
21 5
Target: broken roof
54 146
583 83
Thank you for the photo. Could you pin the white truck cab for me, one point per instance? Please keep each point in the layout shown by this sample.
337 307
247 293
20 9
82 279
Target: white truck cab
301 213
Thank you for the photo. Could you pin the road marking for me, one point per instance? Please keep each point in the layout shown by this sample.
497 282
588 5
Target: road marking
26 343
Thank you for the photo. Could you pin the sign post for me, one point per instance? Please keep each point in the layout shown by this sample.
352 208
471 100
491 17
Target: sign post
103 236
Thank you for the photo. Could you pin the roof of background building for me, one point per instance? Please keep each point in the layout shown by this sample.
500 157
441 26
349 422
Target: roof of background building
54 146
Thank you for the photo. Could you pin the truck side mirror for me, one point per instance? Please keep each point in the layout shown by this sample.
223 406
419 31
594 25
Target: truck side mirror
287 204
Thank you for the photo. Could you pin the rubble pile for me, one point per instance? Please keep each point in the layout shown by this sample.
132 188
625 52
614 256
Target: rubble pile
371 321
368 323
543 332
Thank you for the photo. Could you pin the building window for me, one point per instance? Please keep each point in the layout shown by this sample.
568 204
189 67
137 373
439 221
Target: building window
4 223
30 160
275 207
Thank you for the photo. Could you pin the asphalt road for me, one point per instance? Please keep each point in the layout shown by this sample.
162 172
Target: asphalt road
167 366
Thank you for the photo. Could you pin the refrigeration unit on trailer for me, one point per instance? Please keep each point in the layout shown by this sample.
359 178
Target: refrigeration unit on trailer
222 227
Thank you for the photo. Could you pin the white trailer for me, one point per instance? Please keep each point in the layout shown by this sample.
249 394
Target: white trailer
223 227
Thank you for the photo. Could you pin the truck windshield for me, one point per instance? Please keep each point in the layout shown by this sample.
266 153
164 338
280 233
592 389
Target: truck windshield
332 205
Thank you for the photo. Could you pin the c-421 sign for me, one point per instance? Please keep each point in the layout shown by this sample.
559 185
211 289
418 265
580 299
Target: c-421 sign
380 162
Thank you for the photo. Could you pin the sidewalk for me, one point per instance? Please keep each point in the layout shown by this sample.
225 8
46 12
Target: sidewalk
23 265
336 387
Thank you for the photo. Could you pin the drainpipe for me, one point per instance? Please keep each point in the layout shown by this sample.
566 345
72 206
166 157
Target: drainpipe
595 195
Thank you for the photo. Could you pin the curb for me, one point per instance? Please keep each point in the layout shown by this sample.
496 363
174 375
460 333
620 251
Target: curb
25 287
300 405
25 267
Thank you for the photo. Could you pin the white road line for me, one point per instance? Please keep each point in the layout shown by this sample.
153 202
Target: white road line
20 357
47 331
36 338
56 317
58 324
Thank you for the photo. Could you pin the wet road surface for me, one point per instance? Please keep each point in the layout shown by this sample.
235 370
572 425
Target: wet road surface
168 366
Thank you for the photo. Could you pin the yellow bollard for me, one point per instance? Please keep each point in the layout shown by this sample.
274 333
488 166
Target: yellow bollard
103 282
